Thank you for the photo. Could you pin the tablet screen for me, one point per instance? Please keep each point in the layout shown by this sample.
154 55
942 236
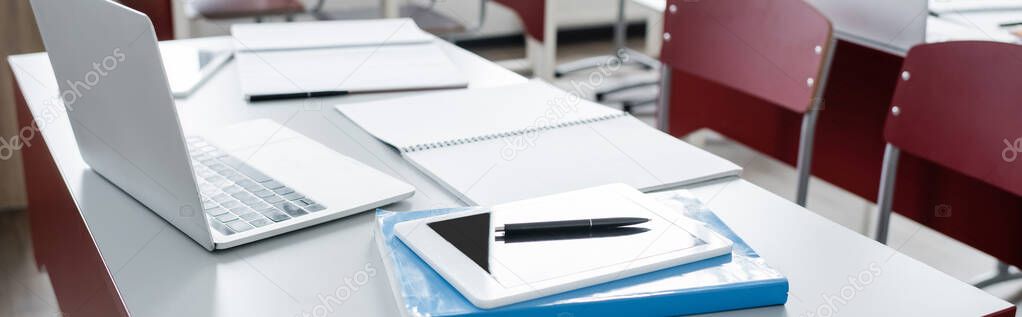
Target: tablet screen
513 262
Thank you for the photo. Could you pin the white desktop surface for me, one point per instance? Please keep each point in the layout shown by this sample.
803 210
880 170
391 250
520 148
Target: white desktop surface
158 271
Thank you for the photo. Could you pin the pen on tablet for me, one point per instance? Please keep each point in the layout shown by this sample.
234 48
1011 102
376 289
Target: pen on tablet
297 95
568 225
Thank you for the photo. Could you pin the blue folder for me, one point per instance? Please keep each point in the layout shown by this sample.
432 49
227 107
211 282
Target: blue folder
741 280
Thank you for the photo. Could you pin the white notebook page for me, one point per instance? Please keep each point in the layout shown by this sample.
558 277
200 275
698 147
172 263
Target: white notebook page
586 145
451 115
621 150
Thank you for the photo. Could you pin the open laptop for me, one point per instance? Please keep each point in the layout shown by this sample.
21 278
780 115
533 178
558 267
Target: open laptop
250 181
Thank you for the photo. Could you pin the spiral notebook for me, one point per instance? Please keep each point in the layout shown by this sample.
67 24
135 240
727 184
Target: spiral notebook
496 145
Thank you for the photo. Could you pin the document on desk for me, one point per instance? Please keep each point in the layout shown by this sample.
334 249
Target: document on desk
340 57
324 34
496 145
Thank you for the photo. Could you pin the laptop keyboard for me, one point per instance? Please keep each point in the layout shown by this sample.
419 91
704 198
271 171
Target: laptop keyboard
236 197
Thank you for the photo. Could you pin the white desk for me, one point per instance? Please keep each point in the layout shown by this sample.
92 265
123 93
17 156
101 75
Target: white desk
158 271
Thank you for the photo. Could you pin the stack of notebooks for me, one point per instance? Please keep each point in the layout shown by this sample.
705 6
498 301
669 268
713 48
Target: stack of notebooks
497 145
310 59
741 280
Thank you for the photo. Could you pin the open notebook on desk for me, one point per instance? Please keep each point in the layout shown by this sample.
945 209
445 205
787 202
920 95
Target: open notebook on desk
495 145
308 59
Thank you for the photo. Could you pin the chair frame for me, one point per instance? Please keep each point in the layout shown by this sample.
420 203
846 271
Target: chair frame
885 202
807 134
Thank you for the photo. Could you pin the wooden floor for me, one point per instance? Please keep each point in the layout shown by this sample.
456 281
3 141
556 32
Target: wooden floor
17 35
24 291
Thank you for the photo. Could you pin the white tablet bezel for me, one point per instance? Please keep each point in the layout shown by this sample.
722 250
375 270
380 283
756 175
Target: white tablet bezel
480 288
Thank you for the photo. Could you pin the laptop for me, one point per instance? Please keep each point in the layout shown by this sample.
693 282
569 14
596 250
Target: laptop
243 183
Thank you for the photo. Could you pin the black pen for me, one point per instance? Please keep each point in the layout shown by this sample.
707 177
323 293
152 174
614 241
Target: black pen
568 225
297 95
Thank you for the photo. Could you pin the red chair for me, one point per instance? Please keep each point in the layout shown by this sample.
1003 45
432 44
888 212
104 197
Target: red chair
234 9
778 50
540 35
957 105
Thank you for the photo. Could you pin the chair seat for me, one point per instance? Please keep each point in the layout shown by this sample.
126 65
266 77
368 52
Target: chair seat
232 9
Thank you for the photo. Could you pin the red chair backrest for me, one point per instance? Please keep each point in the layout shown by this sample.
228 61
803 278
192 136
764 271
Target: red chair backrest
960 106
765 48
531 12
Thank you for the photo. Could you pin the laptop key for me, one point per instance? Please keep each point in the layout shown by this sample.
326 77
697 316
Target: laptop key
241 210
252 216
273 184
208 203
263 193
243 195
205 173
290 209
293 196
283 191
273 199
230 204
220 227
239 226
301 203
249 185
216 211
233 189
261 222
226 217
274 214
221 198
258 204
315 208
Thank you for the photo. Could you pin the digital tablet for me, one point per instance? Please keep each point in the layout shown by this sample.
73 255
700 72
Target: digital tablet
492 270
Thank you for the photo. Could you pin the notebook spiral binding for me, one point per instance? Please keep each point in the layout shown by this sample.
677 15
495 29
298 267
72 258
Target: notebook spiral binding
446 143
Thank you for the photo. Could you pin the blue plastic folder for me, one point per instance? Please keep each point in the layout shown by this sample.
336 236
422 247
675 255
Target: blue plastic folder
741 280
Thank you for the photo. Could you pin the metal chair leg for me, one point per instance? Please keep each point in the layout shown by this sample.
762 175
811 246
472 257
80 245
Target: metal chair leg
805 155
663 106
885 196
805 148
627 106
601 95
1001 274
620 36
